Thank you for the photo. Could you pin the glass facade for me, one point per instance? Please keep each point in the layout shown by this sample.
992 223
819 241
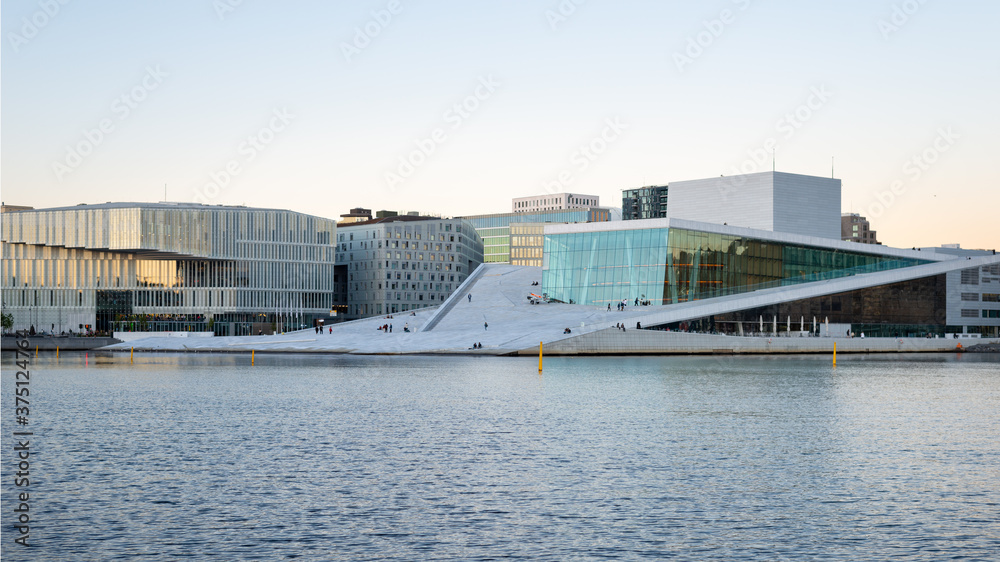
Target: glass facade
527 242
671 265
150 267
908 309
495 229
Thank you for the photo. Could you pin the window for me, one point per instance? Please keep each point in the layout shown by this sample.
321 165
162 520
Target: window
970 297
970 276
966 313
991 297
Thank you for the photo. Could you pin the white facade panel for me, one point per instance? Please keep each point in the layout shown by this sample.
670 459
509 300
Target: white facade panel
774 201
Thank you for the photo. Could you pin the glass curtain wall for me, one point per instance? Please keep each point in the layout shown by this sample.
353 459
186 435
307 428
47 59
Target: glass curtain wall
665 266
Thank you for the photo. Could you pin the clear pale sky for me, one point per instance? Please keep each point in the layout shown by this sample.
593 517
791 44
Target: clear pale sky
659 91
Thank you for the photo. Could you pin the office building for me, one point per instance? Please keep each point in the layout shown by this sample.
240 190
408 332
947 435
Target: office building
648 202
356 215
527 243
403 263
166 267
495 228
554 202
856 228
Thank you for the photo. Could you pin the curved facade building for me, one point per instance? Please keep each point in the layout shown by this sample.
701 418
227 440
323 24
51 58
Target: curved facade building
166 267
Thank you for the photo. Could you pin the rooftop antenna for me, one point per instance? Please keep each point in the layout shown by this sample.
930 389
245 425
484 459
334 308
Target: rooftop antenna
164 192
832 160
773 163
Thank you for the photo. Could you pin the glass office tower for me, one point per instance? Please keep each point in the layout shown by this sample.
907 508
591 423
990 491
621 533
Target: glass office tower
166 267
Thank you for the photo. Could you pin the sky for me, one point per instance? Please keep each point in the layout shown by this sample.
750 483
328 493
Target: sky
456 107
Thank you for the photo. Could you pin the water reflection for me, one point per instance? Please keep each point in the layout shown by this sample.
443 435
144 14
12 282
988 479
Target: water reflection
342 457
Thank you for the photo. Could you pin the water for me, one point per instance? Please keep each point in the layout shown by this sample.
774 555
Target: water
471 458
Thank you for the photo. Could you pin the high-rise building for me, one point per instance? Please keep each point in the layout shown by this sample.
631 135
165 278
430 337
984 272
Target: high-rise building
166 267
554 202
403 263
856 228
648 202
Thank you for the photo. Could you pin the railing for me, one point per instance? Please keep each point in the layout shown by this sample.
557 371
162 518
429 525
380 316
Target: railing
459 294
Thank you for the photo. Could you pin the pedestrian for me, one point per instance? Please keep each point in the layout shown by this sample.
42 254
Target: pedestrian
609 307
637 301
331 330
390 328
486 326
470 297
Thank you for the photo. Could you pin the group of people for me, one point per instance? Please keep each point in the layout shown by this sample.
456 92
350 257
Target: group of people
387 328
477 345
624 303
620 326
319 330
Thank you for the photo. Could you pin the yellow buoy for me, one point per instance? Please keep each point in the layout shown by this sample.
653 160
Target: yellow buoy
57 352
834 354
539 357
131 355
251 357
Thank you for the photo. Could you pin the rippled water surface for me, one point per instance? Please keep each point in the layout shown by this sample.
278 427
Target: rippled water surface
466 458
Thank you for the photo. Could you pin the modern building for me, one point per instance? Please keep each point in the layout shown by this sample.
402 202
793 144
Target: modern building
5 208
403 263
356 215
774 201
554 202
856 228
648 202
166 267
885 291
527 243
495 228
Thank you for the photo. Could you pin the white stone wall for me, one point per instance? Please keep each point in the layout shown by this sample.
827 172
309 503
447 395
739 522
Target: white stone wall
778 202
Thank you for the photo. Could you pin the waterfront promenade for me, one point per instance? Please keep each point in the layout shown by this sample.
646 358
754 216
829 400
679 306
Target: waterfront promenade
515 326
